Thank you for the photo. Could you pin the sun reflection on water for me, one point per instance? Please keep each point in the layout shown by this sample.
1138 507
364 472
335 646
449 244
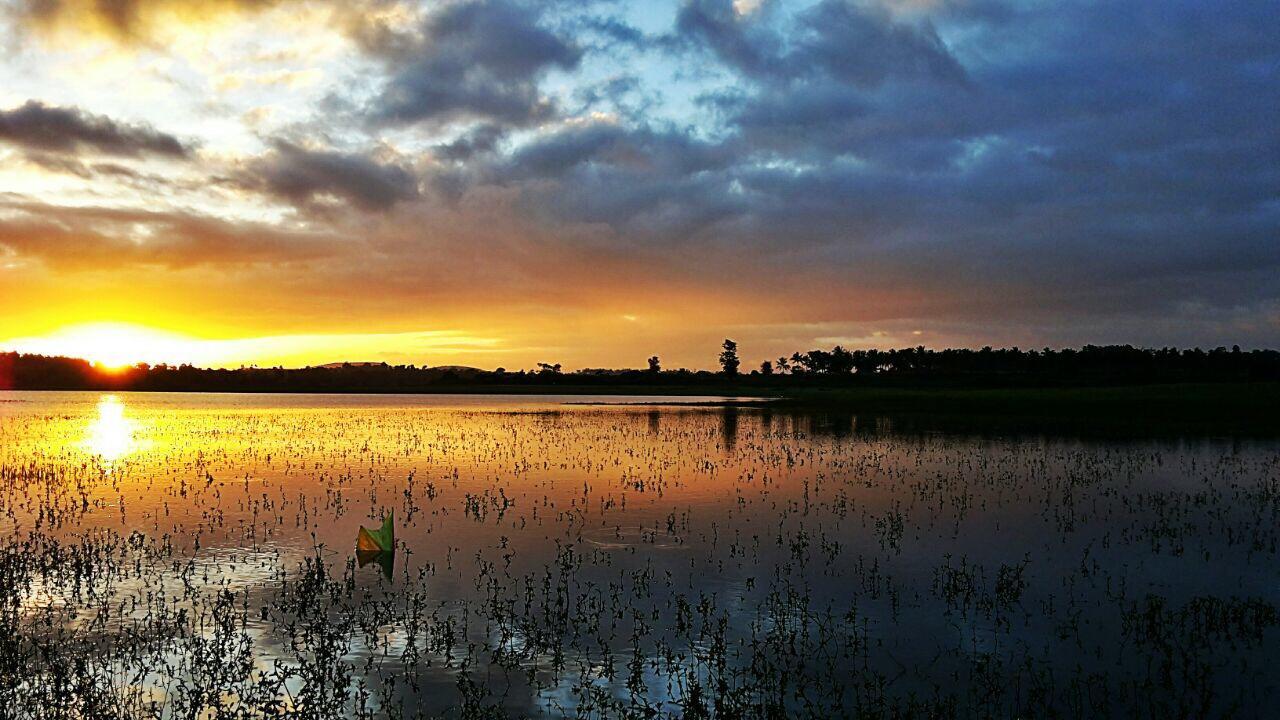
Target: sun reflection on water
110 435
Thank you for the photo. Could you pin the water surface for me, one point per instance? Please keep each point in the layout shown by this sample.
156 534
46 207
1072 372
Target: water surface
169 555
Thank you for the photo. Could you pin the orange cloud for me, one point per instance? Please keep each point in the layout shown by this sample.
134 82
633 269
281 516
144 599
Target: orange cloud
128 19
108 238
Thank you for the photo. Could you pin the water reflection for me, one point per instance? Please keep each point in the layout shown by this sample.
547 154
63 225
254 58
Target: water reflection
110 435
561 560
386 561
729 428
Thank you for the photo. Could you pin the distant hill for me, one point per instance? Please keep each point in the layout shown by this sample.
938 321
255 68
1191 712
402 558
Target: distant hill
338 365
456 369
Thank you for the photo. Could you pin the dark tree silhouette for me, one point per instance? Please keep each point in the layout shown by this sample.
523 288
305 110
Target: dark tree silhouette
766 368
654 364
1090 366
729 357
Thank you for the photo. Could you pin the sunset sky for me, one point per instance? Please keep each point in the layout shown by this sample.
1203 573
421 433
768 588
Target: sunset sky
498 183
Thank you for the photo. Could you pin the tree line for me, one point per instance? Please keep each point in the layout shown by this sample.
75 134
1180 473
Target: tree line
1091 360
838 366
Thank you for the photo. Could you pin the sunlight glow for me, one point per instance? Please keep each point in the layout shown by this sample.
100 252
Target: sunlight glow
110 435
114 346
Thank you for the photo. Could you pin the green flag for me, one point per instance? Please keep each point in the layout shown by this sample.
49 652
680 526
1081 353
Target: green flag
383 540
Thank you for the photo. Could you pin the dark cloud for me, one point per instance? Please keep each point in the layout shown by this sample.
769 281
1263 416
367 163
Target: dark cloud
859 45
625 96
305 177
647 184
476 60
615 32
747 46
95 238
46 129
865 47
479 140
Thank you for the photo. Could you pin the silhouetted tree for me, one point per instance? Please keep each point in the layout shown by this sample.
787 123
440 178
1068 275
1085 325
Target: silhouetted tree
654 364
766 368
801 363
549 369
729 357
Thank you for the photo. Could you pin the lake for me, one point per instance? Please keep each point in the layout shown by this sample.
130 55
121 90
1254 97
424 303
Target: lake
186 555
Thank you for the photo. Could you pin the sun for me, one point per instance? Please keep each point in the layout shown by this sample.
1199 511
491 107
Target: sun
114 346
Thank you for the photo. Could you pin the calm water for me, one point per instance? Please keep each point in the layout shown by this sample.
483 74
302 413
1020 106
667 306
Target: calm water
193 556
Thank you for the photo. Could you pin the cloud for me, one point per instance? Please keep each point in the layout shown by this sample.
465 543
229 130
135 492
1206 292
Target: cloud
859 45
862 170
747 46
475 60
307 177
38 127
646 184
125 19
863 47
479 140
106 239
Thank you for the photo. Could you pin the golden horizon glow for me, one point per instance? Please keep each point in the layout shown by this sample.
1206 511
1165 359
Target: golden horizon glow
115 346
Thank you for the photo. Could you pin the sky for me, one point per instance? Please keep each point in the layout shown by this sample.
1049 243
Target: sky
501 183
